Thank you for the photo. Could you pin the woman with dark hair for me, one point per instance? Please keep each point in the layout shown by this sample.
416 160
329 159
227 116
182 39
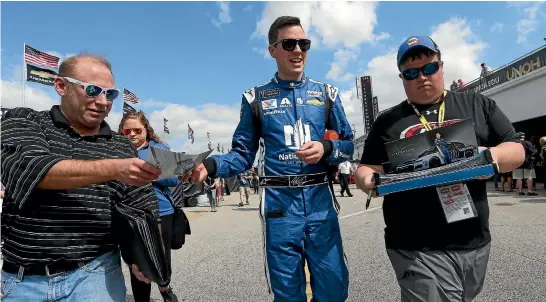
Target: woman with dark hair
137 129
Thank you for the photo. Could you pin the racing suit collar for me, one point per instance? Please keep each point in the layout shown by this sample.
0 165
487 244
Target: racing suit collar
290 84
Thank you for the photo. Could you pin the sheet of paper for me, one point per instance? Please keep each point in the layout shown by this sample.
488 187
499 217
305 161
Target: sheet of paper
174 163
456 202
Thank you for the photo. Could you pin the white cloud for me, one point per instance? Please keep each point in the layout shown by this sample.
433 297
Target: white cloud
461 53
334 23
529 22
35 98
353 110
219 120
497 27
342 26
342 58
262 51
247 9
224 16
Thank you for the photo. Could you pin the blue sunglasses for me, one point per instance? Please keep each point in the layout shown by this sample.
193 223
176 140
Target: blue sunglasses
427 69
93 91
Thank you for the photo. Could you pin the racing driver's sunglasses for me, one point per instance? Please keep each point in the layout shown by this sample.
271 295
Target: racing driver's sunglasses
427 69
290 44
93 91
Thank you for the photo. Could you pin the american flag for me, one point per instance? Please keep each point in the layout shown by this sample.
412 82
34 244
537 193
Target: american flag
165 128
128 96
128 108
37 57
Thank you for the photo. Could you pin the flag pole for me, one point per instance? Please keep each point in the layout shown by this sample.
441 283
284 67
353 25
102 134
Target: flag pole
24 74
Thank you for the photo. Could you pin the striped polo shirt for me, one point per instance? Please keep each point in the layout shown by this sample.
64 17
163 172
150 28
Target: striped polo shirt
44 226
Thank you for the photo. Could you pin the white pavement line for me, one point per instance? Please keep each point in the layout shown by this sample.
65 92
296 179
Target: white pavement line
358 213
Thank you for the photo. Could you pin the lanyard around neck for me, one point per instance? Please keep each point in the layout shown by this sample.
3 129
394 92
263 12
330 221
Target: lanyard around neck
441 113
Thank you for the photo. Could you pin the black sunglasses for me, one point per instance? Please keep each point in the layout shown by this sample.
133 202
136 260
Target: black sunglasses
290 44
93 91
427 69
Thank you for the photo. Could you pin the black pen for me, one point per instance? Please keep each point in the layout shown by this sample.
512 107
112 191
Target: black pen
370 195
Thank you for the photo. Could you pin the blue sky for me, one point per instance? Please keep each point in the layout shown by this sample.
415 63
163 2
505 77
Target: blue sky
191 61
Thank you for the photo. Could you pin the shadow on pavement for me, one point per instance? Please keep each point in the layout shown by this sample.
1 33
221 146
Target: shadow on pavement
535 200
246 209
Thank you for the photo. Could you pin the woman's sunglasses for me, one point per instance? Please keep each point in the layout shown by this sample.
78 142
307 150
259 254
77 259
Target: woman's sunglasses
93 91
427 69
290 44
128 131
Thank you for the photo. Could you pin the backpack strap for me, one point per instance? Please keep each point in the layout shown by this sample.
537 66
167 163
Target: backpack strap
256 109
330 99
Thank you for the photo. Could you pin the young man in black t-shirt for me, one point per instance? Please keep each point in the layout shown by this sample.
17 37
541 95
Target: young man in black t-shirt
435 260
526 171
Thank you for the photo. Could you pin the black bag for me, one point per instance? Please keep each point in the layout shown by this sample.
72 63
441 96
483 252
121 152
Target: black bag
181 224
137 232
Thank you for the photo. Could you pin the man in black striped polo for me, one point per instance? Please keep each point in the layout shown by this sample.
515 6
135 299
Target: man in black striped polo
62 170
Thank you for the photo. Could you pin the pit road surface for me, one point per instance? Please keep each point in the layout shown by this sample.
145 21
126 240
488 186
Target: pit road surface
223 260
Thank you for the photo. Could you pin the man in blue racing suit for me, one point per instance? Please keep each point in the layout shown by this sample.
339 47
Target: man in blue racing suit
290 114
442 146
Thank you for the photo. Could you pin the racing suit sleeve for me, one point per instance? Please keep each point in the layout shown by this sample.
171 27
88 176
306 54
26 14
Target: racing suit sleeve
243 146
338 151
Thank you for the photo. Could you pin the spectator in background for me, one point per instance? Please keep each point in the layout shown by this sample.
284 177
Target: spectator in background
218 185
255 181
506 178
210 189
526 170
461 84
543 161
344 171
485 70
244 184
136 127
453 86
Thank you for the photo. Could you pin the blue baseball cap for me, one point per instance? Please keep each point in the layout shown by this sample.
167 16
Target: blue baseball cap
414 42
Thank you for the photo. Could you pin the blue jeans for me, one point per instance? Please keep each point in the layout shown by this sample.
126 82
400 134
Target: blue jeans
99 280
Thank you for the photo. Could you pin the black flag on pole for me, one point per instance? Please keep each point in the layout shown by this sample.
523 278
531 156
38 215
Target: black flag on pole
210 144
190 134
128 108
40 75
165 128
218 148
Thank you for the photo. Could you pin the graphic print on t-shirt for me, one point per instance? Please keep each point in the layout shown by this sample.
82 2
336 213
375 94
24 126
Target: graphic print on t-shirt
430 149
420 128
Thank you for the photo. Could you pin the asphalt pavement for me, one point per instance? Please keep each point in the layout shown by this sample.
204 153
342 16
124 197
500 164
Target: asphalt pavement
223 260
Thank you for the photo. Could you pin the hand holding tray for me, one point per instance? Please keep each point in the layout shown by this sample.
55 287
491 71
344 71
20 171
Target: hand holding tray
464 170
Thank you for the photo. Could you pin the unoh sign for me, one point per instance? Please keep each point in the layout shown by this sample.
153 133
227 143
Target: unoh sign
523 68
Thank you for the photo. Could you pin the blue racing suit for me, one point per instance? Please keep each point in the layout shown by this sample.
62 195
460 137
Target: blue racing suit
299 221
442 145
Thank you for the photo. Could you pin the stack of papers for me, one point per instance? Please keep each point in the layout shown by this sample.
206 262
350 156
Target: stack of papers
174 163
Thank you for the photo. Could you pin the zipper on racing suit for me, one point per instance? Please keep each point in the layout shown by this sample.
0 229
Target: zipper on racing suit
294 99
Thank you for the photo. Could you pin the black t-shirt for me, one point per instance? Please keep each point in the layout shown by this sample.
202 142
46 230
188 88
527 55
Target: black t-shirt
529 152
415 219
